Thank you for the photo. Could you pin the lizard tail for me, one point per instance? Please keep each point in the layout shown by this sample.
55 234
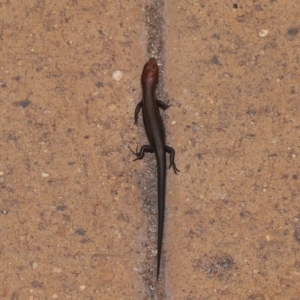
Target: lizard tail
161 193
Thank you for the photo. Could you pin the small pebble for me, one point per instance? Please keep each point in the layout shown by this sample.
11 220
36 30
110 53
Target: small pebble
117 75
263 33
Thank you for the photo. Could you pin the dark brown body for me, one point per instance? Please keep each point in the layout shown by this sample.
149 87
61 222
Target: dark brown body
156 135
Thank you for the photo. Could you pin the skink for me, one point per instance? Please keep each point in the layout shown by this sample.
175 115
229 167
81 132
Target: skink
155 131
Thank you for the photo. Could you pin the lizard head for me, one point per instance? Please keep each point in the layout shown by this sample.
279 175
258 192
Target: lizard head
150 72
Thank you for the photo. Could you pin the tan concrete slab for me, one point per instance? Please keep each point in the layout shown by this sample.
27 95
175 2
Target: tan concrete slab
78 217
71 223
232 69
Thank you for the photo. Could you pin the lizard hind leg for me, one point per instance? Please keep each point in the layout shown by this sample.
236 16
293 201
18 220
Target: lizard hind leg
172 159
140 154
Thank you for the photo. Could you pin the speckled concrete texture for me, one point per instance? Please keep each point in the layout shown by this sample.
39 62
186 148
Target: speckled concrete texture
233 215
70 217
78 216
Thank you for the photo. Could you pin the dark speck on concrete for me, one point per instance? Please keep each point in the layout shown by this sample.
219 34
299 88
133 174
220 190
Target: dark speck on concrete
23 103
297 266
85 241
225 262
215 265
215 36
61 208
215 60
293 31
36 284
297 235
199 155
251 112
99 84
285 232
80 231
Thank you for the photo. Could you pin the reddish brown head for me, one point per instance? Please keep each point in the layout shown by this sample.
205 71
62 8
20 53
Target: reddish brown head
150 72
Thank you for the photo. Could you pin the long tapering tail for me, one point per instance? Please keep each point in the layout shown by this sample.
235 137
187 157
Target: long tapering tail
161 196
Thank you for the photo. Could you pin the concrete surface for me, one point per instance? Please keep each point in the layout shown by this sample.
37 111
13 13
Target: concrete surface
70 208
78 217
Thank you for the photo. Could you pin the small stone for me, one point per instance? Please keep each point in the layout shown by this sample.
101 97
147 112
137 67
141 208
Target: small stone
117 75
263 33
44 175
